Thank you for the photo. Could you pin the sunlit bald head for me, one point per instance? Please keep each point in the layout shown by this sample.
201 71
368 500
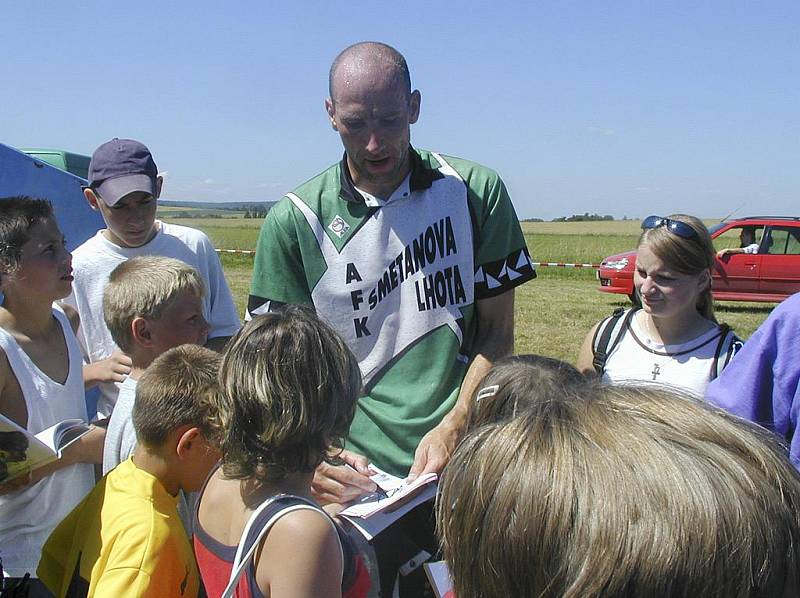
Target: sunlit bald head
370 59
372 107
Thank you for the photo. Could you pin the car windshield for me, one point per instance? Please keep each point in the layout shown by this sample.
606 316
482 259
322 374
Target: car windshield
716 227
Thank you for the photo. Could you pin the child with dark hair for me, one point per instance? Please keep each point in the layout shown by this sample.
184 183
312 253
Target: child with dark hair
517 382
41 381
289 392
126 538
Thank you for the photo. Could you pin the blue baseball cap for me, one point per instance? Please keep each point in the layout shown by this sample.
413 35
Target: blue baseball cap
120 167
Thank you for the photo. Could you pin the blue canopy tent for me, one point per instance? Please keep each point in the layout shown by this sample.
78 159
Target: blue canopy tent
21 174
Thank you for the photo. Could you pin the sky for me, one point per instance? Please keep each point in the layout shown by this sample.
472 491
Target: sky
620 108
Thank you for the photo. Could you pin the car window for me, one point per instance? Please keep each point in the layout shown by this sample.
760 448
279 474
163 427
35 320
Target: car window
784 240
732 238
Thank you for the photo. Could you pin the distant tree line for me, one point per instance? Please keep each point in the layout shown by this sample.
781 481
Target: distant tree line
256 212
585 217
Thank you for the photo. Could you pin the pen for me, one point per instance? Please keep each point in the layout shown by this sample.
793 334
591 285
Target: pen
379 491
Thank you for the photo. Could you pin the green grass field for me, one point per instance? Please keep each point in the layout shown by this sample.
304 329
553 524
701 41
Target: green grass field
553 312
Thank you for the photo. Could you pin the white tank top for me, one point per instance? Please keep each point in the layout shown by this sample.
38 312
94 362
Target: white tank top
27 517
688 366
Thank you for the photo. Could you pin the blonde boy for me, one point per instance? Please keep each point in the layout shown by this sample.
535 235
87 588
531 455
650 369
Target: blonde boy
125 538
151 304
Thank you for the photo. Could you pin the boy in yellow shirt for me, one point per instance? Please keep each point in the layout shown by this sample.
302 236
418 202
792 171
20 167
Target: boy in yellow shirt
125 538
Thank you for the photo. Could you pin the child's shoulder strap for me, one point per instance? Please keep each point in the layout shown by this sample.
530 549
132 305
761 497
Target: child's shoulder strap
245 553
607 335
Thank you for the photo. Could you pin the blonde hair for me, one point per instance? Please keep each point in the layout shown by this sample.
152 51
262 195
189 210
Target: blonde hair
143 287
289 392
687 256
179 388
621 492
516 381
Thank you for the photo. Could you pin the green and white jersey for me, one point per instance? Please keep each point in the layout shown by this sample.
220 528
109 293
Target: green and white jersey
398 282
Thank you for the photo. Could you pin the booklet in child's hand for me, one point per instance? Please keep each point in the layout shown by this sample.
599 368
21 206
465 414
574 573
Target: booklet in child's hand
21 451
395 497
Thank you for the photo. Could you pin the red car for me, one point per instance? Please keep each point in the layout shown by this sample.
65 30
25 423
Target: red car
772 273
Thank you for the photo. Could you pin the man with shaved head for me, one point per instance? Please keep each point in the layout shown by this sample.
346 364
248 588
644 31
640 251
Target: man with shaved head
411 255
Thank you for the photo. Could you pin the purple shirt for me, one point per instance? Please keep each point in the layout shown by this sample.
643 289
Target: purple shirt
762 382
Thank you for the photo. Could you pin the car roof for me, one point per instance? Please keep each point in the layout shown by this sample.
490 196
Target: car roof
751 219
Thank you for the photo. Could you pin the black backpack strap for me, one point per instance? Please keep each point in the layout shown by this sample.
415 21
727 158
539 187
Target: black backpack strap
602 338
733 347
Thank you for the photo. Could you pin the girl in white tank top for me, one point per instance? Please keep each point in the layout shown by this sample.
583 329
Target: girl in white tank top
28 516
675 338
35 271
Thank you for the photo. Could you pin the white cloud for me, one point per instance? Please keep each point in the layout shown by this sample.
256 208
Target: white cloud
209 182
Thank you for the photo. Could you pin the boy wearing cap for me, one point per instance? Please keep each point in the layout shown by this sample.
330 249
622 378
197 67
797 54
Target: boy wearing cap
124 187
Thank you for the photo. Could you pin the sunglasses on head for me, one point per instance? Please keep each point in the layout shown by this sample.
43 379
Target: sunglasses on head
676 227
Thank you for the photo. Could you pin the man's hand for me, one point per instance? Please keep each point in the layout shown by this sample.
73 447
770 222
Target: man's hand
436 447
342 483
113 368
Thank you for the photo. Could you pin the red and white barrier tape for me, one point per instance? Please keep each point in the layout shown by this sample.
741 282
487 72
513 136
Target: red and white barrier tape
535 264
564 265
240 251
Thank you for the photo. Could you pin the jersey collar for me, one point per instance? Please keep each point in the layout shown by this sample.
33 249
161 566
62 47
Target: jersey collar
422 177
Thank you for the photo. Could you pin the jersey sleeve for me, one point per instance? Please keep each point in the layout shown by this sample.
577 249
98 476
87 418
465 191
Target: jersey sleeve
278 272
502 261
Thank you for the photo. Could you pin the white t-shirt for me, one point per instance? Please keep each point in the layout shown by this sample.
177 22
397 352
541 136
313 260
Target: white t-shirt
637 359
92 264
752 248
120 435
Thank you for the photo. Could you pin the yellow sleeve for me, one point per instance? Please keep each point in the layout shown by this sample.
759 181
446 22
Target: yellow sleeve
59 555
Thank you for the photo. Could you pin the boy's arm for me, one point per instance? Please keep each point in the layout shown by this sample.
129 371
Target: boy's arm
113 368
86 449
12 404
14 410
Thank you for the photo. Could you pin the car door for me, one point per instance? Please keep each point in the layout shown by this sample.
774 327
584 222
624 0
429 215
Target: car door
780 265
737 272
